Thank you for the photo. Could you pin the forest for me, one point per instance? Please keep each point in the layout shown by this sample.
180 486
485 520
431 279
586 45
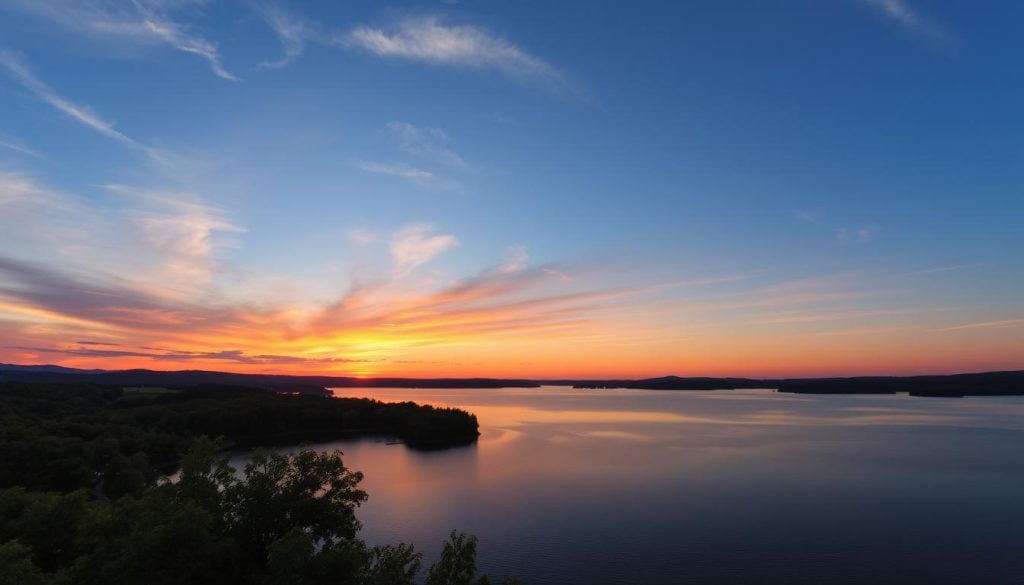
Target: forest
85 495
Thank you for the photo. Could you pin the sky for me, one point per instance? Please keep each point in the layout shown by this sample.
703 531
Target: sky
513 189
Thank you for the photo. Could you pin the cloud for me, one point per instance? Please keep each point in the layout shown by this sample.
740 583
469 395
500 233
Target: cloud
181 229
171 241
293 31
415 245
81 114
175 35
863 233
426 143
898 11
423 39
139 22
41 306
517 257
16 189
1005 323
428 40
809 216
231 355
362 236
18 147
901 13
20 72
401 170
27 206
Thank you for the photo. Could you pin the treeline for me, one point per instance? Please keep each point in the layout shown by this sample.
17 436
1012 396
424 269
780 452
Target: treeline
953 385
315 384
63 437
83 499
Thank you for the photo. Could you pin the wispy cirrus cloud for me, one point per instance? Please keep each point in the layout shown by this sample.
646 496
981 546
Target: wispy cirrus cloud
400 170
41 305
143 22
426 39
173 240
898 11
516 260
904 15
862 233
430 40
426 143
293 31
181 229
180 355
17 146
999 324
416 244
18 70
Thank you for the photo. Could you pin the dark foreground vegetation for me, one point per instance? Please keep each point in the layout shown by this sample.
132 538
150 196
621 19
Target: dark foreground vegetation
61 437
83 498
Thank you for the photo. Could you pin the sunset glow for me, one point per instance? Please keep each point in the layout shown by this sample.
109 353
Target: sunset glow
346 196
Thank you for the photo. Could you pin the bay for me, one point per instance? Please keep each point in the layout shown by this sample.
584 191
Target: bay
741 486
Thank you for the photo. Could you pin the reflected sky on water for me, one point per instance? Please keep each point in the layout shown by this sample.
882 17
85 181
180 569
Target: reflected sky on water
743 486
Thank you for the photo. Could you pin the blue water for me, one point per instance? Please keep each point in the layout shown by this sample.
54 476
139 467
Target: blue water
745 486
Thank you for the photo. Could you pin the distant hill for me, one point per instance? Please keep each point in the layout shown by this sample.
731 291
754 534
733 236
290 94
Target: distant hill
979 384
280 383
47 368
975 384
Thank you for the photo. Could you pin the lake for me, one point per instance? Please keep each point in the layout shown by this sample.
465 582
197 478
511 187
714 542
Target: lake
742 486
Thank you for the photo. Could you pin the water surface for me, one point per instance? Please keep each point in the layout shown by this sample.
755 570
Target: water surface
743 486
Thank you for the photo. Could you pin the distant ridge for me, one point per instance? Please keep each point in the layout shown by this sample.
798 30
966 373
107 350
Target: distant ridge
190 378
47 368
952 385
1010 383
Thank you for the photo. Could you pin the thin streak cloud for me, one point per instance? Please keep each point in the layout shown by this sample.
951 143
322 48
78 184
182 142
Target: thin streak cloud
18 147
18 70
400 170
429 40
138 22
21 73
1004 323
901 13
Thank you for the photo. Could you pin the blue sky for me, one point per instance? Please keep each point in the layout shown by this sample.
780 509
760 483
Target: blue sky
801 186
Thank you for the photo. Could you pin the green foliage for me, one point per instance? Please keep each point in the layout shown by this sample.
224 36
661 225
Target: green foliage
63 437
80 504
44 522
16 566
457 565
393 565
156 538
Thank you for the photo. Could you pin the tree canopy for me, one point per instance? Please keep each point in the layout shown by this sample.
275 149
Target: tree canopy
83 500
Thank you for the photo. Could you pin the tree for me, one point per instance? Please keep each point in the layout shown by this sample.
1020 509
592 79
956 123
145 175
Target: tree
285 520
309 491
457 565
16 566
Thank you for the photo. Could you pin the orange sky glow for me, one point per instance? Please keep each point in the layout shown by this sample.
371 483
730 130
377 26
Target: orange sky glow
522 322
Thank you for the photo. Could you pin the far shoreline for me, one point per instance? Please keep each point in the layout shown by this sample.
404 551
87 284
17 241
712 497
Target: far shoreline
1004 383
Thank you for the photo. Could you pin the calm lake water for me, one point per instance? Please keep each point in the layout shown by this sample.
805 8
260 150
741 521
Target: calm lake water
744 486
